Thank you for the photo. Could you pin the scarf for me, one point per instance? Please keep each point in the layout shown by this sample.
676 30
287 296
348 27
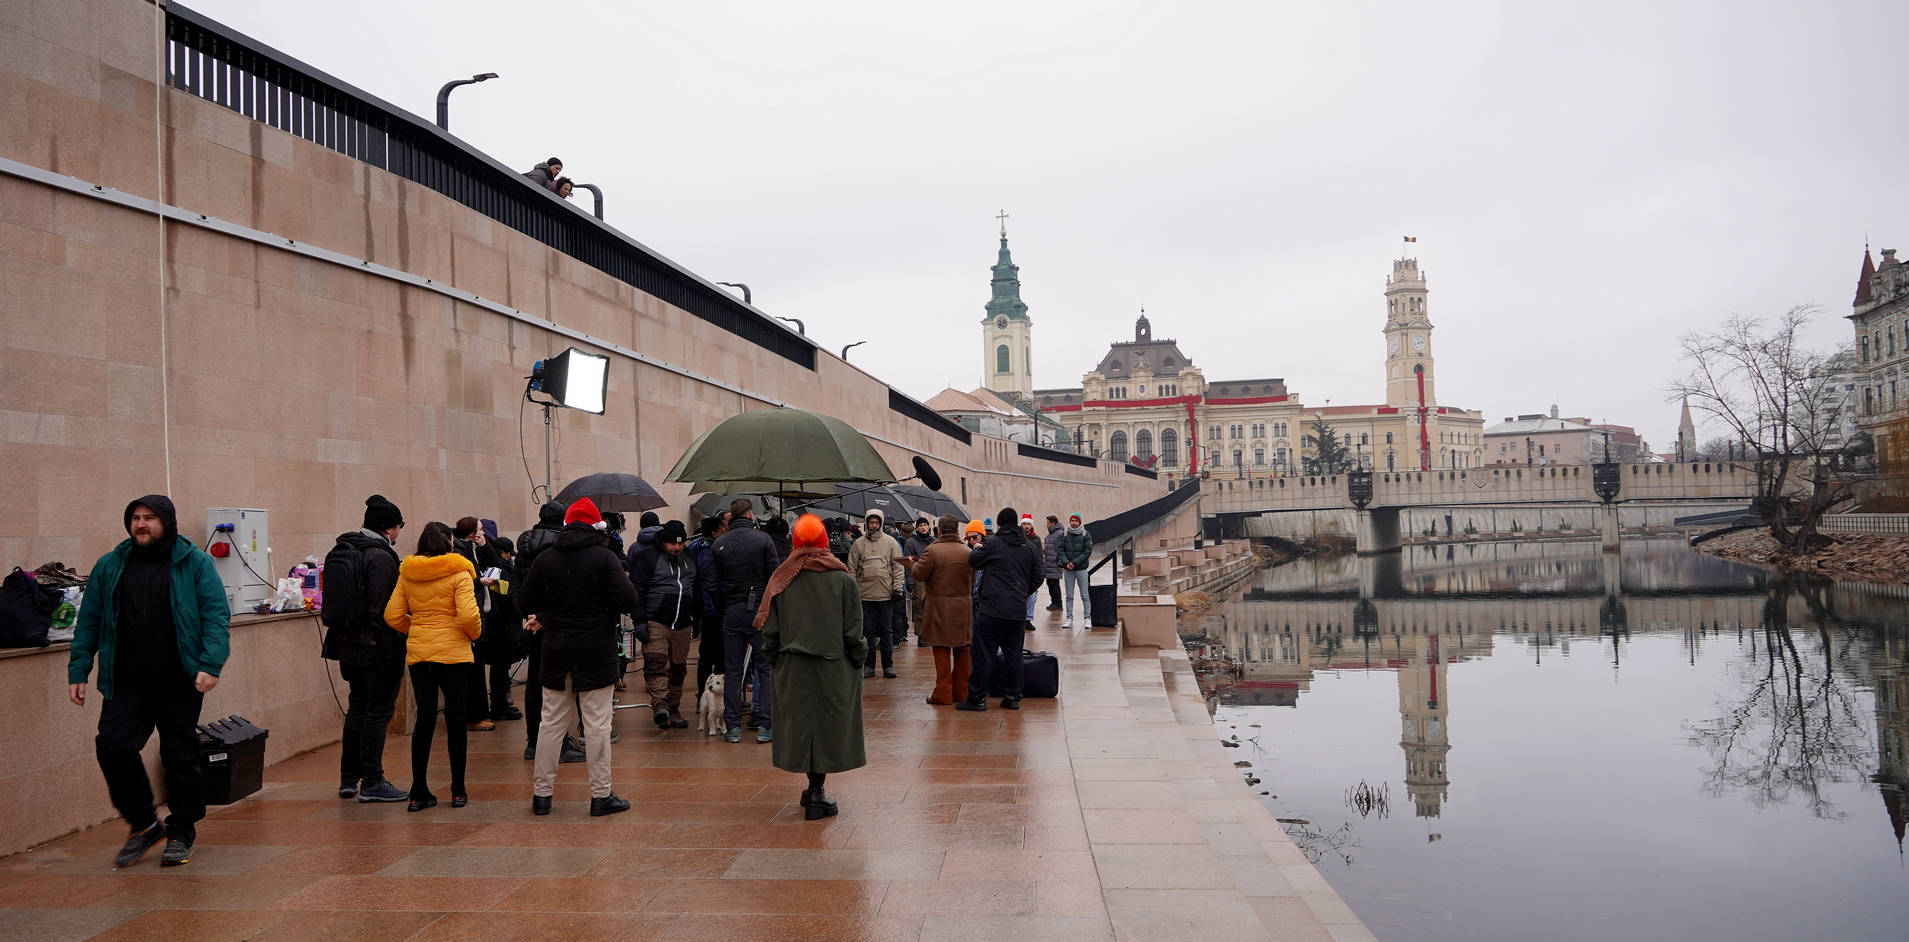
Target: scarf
810 558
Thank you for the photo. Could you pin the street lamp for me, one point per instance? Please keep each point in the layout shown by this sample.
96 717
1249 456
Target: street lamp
444 102
746 298
594 191
846 349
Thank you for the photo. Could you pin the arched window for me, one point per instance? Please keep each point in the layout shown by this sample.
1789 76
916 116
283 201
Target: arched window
1362 437
1169 447
1388 438
1117 446
1001 357
1259 456
1167 362
1143 444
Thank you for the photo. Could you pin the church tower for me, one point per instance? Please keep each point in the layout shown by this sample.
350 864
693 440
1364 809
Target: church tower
1006 342
1408 337
1423 736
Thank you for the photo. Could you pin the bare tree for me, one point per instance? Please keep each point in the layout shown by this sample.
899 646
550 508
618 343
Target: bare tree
1758 380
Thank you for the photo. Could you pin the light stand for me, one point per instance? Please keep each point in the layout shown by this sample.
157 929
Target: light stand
572 379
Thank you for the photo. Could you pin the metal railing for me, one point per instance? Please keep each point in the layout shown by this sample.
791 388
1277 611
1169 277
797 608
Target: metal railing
1864 523
223 66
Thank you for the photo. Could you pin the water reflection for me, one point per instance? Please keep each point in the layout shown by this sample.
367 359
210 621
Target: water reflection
1592 681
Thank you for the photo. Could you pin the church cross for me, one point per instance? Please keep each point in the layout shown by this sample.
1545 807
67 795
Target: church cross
1004 223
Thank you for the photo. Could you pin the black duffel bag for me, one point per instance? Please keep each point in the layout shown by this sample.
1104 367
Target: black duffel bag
26 610
1040 676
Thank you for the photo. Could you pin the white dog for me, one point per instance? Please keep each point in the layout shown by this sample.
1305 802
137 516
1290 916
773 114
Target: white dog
709 707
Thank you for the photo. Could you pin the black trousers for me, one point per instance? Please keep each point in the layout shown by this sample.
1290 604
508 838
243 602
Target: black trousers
428 679
878 626
372 701
1054 593
126 722
488 703
533 691
898 612
996 648
709 652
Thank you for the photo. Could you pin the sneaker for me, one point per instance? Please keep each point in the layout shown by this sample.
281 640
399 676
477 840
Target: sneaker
732 734
971 706
481 726
512 713
765 734
662 719
889 672
1067 623
1010 703
347 789
614 735
868 672
608 804
178 854
676 721
1030 626
530 751
138 844
1053 608
572 751
381 791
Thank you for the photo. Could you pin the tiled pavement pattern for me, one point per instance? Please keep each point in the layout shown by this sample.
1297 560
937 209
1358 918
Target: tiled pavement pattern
1111 813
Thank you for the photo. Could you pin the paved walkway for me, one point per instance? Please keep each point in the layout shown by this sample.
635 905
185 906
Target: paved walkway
1111 813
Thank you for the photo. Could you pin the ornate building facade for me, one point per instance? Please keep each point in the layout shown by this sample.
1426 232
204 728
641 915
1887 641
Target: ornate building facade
1880 314
1146 401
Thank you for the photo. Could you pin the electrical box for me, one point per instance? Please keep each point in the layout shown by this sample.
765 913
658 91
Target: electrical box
238 541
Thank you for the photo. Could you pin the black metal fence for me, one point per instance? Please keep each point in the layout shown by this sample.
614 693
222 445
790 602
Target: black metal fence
223 66
1128 521
1053 454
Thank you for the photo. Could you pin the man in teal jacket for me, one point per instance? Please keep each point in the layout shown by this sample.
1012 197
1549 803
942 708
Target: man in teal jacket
156 615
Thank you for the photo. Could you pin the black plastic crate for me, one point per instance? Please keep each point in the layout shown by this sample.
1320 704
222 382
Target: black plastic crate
231 759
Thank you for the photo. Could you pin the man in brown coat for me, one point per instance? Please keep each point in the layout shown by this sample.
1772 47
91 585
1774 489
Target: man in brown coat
947 615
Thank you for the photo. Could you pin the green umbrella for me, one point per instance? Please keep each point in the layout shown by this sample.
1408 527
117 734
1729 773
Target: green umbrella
783 445
789 490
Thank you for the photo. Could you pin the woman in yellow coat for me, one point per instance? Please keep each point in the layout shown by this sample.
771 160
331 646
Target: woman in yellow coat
435 607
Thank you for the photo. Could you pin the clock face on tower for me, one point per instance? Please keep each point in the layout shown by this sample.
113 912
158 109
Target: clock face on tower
1395 345
1418 343
1001 323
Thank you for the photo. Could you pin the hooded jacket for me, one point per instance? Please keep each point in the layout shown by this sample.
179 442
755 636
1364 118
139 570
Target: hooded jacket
577 588
741 563
875 561
201 616
435 606
666 586
538 538
373 643
1012 567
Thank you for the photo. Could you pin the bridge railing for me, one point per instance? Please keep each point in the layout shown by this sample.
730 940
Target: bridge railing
223 66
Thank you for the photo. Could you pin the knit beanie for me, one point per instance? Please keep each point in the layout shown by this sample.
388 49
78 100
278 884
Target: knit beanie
381 514
672 532
584 511
975 526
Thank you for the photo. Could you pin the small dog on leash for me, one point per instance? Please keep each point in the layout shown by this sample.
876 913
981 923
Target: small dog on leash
709 707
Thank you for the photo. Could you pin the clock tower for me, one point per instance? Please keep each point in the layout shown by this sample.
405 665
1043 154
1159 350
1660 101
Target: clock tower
1408 337
1006 342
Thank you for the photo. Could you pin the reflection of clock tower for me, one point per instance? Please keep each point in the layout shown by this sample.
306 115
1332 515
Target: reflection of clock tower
1422 713
1006 345
1408 336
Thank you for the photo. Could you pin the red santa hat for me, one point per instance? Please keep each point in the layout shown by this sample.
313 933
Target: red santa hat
584 511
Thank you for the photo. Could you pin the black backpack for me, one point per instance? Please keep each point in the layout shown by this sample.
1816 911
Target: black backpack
26 610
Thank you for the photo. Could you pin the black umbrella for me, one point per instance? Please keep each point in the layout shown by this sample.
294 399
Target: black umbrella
856 500
928 502
613 491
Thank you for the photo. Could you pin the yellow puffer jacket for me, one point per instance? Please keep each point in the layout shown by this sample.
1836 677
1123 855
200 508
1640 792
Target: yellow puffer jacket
435 606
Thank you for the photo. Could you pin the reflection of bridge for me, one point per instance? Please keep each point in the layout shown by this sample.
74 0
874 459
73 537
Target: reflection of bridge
1379 497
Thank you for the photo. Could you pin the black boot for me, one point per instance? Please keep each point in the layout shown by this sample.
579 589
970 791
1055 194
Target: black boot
816 805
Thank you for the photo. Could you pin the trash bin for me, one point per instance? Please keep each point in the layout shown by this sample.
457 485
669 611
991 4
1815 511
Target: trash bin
1105 600
231 759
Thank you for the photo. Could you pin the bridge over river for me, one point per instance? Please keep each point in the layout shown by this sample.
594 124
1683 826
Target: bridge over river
1377 498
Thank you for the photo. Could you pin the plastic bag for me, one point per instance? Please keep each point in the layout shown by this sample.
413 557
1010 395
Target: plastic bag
289 597
310 574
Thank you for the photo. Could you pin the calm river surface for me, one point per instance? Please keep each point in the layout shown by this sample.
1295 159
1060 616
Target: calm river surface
1566 745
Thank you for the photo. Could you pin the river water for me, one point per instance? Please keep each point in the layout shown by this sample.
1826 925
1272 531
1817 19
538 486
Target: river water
1557 743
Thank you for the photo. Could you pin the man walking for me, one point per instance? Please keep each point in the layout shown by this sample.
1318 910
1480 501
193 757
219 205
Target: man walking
360 572
875 562
572 596
741 561
1051 546
1076 551
158 622
1011 568
668 601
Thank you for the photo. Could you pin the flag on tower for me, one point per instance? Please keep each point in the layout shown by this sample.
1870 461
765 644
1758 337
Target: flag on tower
1411 238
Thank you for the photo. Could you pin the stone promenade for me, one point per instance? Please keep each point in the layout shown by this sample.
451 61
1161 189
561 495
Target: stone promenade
1110 813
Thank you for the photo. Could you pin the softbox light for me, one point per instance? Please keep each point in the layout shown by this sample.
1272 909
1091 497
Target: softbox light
576 380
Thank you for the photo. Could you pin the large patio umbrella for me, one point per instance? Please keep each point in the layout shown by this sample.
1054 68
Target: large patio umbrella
613 491
783 445
792 490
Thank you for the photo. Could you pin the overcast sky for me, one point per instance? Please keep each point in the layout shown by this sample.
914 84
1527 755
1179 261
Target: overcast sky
1586 181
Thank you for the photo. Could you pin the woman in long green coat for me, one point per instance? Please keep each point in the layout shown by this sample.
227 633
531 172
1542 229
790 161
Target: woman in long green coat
811 621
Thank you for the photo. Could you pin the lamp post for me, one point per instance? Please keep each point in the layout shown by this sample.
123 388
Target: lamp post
596 192
846 349
444 103
746 297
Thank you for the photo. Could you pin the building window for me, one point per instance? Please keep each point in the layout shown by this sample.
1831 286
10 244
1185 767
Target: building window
1348 439
1259 457
1117 446
1388 438
1212 456
1169 447
1143 444
1279 458
1362 439
1001 358
1239 458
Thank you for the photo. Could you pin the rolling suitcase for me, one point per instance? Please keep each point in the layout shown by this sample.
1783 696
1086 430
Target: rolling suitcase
1040 676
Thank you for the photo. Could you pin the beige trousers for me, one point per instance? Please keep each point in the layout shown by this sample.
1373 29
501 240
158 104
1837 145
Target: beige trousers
560 714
